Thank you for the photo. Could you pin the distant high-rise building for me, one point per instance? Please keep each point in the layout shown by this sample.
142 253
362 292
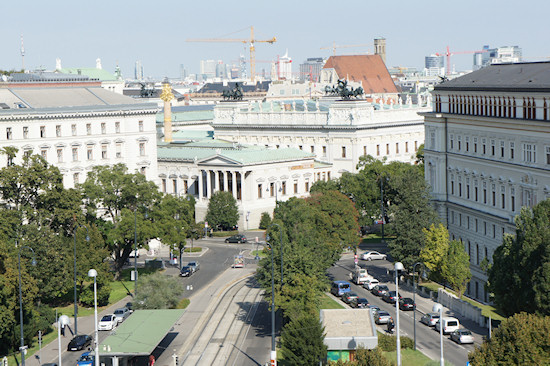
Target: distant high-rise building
311 69
380 47
499 55
208 68
183 72
221 70
434 65
285 67
138 71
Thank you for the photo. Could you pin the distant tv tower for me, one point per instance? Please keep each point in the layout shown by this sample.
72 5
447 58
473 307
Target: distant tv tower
22 53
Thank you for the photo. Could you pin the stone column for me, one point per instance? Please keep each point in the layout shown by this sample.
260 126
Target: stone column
234 184
216 180
208 184
200 185
225 181
243 175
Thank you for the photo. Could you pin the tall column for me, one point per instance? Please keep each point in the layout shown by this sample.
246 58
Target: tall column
225 183
234 184
208 184
216 180
243 175
199 188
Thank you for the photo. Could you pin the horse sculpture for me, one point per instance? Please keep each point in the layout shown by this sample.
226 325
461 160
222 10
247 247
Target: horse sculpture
344 91
235 94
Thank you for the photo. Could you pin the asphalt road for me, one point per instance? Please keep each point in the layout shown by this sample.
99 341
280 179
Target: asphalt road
427 339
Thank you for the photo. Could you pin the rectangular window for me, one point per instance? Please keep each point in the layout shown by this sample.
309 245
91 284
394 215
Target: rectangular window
140 124
484 146
272 189
300 147
76 178
25 132
493 142
459 139
142 149
476 225
397 147
185 187
44 154
416 146
118 147
343 151
88 128
259 191
313 149
59 155
387 149
467 139
117 127
42 131
475 144
75 153
502 149
494 231
484 227
164 185
90 153
104 151
484 192
9 135
295 187
529 153
378 150
58 131
73 129
307 186
467 188
503 196
103 128
511 150
364 150
175 186
451 141
406 146
283 187
324 151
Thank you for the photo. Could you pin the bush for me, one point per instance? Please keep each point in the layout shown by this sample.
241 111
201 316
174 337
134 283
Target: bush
46 317
221 234
388 343
265 221
103 292
183 304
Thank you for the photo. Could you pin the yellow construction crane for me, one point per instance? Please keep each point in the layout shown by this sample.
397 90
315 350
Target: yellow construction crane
335 46
251 41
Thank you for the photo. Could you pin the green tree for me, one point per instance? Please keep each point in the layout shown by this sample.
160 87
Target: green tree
158 291
222 210
410 212
520 274
302 341
456 268
117 202
420 156
435 249
265 220
520 340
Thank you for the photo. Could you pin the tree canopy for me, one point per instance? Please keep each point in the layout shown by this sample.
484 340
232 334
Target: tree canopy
222 210
520 275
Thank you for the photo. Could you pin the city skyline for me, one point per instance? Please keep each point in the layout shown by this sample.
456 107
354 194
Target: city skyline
124 32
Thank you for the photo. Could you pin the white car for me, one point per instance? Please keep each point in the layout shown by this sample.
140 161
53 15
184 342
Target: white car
108 322
370 283
462 336
121 314
372 255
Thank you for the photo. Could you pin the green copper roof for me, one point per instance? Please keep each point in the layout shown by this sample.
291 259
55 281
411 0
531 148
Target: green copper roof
93 73
140 333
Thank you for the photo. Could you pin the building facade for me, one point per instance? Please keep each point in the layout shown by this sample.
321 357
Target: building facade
76 128
487 154
310 70
336 132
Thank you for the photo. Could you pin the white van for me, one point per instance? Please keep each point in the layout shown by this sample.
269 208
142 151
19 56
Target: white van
449 325
360 276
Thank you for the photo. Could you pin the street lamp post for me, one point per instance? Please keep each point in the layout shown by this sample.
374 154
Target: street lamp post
61 322
93 273
438 308
414 299
75 297
398 266
22 348
382 207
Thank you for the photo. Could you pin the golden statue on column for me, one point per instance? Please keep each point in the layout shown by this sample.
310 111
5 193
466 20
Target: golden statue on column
167 96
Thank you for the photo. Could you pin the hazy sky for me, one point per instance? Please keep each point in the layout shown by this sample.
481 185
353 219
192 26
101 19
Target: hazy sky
155 32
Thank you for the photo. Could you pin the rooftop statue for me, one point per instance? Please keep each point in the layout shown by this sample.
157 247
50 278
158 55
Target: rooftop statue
344 91
235 94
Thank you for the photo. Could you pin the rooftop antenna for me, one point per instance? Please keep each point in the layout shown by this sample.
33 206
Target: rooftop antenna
22 54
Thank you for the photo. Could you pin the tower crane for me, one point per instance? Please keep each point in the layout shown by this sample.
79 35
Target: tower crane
251 41
335 46
448 55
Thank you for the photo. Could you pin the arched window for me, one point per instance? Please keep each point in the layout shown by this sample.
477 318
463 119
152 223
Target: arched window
524 109
533 109
545 110
477 106
514 107
485 106
500 107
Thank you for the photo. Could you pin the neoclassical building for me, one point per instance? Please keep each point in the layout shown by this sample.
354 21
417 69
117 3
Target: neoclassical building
76 126
334 131
196 164
487 154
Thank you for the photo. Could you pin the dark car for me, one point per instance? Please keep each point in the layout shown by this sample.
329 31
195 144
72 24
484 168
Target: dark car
390 297
79 342
359 303
239 238
195 266
380 290
348 296
186 271
407 304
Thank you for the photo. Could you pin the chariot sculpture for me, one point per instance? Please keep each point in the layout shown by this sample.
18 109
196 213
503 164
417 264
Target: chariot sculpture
234 94
344 91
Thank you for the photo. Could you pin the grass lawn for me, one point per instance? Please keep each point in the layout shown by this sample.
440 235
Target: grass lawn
192 250
328 303
411 357
259 253
486 310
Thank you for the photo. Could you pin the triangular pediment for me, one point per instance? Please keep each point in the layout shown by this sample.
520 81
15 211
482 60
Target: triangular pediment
219 160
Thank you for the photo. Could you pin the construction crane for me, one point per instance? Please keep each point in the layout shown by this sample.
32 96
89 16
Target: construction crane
251 41
448 55
335 46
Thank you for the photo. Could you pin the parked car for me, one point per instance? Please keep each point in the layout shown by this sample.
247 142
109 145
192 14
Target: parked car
121 314
407 304
382 317
86 359
462 336
372 255
239 238
186 271
380 290
370 283
79 342
108 322
194 266
374 309
348 296
359 303
390 297
449 325
130 307
430 319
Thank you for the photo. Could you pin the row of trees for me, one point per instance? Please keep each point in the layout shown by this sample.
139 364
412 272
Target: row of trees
39 213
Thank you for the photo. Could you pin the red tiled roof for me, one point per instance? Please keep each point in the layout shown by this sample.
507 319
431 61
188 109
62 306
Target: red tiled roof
369 69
